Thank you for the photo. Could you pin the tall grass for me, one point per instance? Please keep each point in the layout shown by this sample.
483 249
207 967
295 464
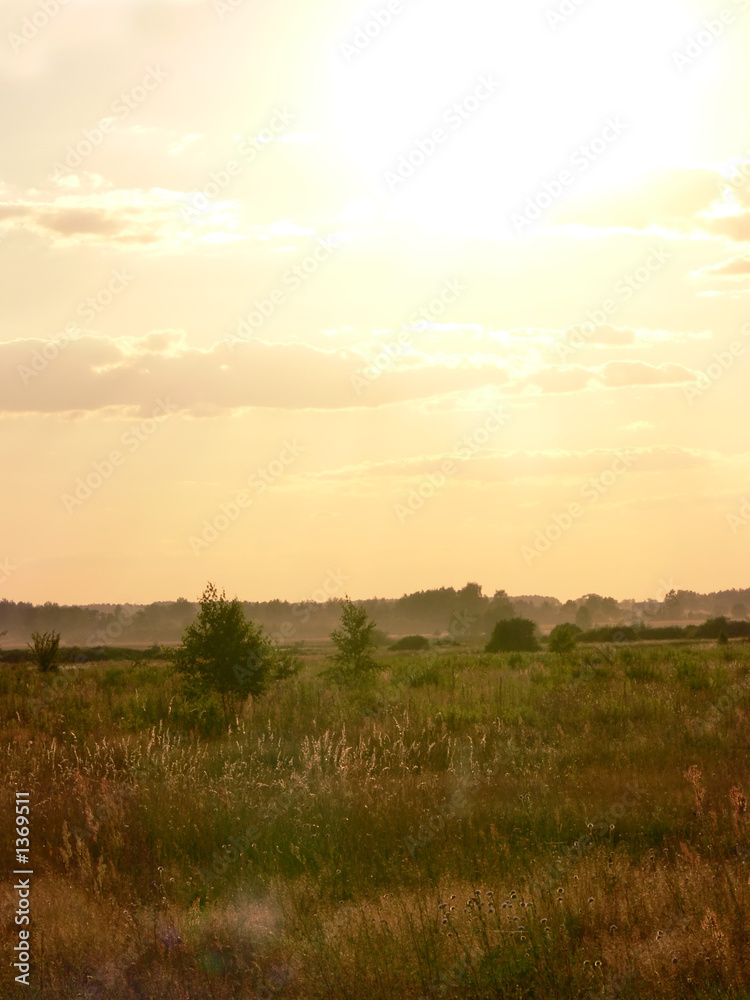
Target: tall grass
462 825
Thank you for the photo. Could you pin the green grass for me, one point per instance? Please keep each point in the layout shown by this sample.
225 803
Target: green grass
313 850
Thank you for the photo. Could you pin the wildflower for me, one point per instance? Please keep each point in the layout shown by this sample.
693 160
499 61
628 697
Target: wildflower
693 775
710 923
739 805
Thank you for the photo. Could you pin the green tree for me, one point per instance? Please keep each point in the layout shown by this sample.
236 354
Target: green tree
222 651
355 642
563 638
513 635
44 650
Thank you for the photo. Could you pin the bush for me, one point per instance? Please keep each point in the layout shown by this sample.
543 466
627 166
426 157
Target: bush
44 651
563 638
513 635
411 642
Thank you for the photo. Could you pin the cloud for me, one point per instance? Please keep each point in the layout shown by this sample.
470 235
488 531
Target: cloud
616 374
86 373
84 210
736 268
110 217
683 201
517 467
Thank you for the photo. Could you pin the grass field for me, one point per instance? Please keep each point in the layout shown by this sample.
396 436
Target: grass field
464 825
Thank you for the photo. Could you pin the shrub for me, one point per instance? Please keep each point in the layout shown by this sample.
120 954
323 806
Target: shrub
563 638
411 642
513 635
44 651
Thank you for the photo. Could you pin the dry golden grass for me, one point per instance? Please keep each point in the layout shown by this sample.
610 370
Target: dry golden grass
464 826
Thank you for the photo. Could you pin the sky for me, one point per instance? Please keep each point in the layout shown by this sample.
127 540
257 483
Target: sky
396 294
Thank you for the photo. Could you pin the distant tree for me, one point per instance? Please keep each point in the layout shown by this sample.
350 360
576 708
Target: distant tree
739 611
712 628
513 635
583 618
563 638
567 612
222 651
411 642
355 642
44 650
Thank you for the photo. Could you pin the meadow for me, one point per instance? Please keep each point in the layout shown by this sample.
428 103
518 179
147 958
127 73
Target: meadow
460 825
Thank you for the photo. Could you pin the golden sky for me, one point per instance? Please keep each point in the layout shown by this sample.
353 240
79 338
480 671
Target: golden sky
414 292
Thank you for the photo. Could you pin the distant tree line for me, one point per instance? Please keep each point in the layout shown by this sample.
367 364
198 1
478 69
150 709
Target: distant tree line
463 613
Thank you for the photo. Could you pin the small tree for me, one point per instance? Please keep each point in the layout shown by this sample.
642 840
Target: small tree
355 642
563 638
514 635
224 652
44 650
